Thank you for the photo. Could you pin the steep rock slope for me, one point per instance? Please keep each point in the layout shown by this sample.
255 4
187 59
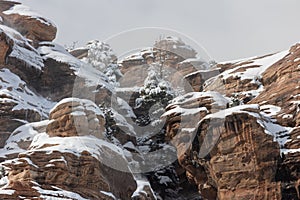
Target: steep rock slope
50 159
244 150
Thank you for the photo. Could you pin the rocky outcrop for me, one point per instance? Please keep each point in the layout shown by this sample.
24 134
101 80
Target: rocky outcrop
17 55
65 76
231 156
281 82
33 175
270 81
86 167
173 50
241 141
197 79
74 117
19 104
29 24
242 79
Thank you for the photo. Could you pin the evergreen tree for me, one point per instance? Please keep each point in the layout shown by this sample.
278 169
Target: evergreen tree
154 96
100 55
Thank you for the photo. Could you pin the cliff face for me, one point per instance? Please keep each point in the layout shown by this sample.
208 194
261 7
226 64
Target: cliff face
158 124
231 156
245 162
56 160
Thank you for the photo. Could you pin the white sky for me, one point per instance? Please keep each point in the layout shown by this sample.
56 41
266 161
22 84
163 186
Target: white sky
228 29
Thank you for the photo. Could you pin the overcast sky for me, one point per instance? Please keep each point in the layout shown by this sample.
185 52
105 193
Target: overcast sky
228 29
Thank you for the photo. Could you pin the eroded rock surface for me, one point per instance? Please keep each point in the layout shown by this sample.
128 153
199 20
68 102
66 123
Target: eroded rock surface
31 25
233 128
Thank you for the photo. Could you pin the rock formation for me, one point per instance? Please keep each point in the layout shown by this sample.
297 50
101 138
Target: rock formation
161 123
31 25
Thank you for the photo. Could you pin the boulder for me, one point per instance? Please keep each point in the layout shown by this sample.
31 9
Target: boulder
31 25
73 117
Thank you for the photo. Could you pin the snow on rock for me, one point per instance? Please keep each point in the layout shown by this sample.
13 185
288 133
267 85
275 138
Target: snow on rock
297 59
15 90
109 194
199 63
133 57
82 104
122 123
99 55
270 110
26 21
143 190
139 56
242 79
217 98
270 126
237 109
98 148
280 133
26 11
73 117
7 191
255 68
123 108
184 111
21 138
176 46
21 49
92 76
57 194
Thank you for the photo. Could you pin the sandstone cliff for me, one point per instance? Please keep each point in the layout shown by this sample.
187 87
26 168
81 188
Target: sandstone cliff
160 123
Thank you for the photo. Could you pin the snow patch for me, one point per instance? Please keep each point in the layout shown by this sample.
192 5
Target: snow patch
22 50
62 159
123 105
74 145
141 184
57 194
165 180
255 72
297 59
108 194
21 95
83 103
26 11
218 99
92 76
24 133
237 109
184 111
270 110
7 191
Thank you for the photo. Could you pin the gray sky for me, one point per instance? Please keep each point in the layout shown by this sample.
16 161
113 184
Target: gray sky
228 29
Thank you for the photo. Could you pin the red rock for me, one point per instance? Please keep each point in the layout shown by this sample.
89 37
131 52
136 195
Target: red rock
76 117
5 47
35 28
